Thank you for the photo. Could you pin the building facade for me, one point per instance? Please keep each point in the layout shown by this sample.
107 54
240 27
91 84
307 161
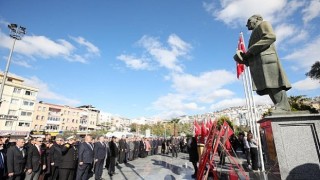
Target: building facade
17 106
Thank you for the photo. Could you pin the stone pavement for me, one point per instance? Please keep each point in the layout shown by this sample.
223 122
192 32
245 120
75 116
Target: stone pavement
154 167
164 167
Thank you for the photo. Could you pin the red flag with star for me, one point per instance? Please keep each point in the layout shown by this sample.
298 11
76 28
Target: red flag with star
241 46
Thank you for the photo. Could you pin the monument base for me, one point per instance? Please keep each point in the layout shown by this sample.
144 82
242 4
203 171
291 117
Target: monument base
292 141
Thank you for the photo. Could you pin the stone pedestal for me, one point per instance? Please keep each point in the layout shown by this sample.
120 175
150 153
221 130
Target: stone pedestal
293 141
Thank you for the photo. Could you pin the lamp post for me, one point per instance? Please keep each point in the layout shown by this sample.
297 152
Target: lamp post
16 32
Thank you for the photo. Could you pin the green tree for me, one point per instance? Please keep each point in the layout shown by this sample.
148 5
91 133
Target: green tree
221 119
300 103
314 72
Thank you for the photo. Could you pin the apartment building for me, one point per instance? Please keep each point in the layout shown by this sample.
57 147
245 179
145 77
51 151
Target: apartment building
55 119
17 106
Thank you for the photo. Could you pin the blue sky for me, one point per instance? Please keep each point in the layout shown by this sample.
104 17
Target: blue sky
152 58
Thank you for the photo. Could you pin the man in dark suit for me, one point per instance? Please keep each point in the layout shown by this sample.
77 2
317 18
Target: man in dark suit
36 160
69 159
100 151
123 148
85 157
56 156
2 160
16 160
114 151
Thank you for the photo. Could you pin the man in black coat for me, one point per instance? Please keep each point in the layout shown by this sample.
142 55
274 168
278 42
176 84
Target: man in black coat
114 151
56 155
16 160
193 154
69 160
122 149
36 160
100 152
3 160
85 158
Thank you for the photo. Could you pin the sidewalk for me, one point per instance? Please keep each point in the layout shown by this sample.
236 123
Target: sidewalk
165 167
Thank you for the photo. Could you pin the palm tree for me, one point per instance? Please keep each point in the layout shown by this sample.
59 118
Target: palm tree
175 121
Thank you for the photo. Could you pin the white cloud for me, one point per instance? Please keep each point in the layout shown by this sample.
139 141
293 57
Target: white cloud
34 46
166 56
306 85
306 56
284 31
190 91
206 87
311 11
89 46
234 102
133 62
173 105
236 12
46 93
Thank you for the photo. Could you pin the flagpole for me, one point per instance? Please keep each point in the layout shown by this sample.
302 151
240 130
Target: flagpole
256 126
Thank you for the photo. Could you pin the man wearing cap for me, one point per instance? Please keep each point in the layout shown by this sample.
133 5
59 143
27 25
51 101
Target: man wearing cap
69 159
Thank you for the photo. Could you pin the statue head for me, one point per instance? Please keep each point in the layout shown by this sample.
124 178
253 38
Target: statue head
254 21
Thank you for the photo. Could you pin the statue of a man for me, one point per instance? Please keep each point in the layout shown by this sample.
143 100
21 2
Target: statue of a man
268 77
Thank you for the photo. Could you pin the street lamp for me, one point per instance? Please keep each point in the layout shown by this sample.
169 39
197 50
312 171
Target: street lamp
16 32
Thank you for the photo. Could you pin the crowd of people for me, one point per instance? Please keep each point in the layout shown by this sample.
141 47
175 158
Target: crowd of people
71 158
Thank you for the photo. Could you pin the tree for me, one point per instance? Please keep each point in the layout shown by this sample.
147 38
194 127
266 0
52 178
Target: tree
300 103
221 119
314 73
174 121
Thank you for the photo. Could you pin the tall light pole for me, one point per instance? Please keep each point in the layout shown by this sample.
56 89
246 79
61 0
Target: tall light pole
16 32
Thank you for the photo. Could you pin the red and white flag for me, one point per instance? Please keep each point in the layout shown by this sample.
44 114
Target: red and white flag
241 46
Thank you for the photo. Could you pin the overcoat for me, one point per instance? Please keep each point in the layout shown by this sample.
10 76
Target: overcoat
265 68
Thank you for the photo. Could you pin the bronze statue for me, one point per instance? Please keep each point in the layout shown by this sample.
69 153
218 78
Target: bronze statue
268 77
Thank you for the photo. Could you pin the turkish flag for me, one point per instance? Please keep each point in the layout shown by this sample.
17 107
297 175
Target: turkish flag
240 67
197 128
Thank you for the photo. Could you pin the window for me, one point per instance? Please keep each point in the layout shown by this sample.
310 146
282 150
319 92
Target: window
44 109
42 117
37 117
17 90
23 113
23 124
35 126
12 112
9 123
39 108
14 101
28 93
40 127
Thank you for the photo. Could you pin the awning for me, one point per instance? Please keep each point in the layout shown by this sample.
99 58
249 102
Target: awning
14 133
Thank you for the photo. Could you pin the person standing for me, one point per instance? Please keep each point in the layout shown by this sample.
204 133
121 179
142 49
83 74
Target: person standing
247 149
100 152
122 148
193 155
3 167
113 155
36 160
174 145
253 151
85 158
69 159
16 160
56 155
